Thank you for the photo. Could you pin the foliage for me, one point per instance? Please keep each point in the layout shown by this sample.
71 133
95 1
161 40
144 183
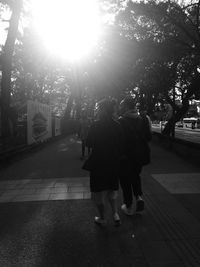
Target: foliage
38 77
151 49
169 37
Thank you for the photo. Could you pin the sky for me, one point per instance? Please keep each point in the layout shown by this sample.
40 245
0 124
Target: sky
69 29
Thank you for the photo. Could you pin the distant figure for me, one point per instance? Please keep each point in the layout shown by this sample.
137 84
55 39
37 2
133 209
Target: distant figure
147 125
104 139
83 132
136 153
193 125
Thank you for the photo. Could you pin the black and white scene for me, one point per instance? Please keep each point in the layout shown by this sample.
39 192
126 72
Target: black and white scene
99 133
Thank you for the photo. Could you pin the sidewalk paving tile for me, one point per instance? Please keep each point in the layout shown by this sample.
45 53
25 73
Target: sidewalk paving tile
35 197
78 189
179 183
167 264
172 213
158 252
86 195
61 185
8 186
28 191
66 196
55 190
13 192
35 181
44 189
6 198
75 184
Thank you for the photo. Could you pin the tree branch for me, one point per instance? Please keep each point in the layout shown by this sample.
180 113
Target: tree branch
178 87
182 43
177 24
171 102
198 6
185 15
192 88
190 5
196 26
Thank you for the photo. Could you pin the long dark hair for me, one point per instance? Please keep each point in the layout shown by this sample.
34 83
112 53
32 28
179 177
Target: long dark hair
108 106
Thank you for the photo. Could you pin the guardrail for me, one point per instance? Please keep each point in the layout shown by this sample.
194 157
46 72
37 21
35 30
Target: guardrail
186 149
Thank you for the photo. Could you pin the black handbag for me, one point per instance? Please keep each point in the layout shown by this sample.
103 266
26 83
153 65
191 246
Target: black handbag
88 164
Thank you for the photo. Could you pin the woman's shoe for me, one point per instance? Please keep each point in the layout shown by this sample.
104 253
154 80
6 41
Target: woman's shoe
139 204
127 211
117 220
99 221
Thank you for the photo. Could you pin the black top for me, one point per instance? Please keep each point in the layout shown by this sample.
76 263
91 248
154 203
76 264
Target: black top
104 138
136 135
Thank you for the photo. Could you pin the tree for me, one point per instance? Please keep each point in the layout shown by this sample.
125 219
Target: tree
6 65
168 34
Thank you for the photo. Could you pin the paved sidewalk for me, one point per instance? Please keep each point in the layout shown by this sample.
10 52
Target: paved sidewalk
47 215
44 189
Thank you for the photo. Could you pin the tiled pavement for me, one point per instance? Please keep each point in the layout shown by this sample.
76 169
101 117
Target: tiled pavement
78 187
44 189
179 183
167 234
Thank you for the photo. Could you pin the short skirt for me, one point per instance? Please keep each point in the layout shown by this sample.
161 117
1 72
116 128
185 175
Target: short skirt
103 180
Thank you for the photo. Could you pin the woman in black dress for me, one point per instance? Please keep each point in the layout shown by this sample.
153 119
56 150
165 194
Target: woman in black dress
104 138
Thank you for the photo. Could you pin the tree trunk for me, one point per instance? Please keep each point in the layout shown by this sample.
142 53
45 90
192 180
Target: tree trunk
67 114
180 112
7 69
178 115
78 108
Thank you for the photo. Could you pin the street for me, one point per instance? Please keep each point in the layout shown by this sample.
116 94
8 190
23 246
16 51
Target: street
192 135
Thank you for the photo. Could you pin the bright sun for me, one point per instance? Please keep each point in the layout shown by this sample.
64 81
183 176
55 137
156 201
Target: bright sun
69 28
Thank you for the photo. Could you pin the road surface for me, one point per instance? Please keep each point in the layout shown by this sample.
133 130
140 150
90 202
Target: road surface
192 135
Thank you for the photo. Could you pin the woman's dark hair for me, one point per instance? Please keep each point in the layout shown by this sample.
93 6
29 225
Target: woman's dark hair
129 102
107 105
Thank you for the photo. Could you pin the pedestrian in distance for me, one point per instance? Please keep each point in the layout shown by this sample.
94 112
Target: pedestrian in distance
104 138
83 132
136 153
147 125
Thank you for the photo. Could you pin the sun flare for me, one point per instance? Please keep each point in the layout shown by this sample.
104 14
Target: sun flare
69 28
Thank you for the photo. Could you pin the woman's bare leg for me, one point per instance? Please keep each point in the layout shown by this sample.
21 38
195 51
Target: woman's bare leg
99 201
112 197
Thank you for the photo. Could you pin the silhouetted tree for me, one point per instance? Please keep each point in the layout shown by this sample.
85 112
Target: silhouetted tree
169 37
6 65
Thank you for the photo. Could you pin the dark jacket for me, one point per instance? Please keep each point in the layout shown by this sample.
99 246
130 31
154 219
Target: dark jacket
136 135
104 137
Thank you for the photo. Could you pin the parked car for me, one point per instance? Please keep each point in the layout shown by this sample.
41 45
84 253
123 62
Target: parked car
179 124
163 123
192 123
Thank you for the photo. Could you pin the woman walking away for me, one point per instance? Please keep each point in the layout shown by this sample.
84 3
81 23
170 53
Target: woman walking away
104 138
136 154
